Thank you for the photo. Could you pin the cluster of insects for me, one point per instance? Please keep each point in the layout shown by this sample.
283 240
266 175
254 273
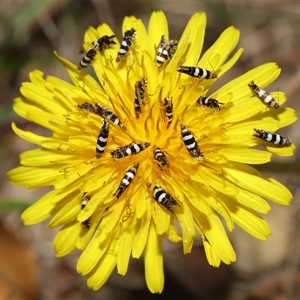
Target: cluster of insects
267 136
106 42
165 50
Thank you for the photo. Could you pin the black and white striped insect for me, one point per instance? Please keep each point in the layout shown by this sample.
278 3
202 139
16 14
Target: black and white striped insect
272 137
209 102
140 95
103 112
190 143
165 199
263 95
137 107
84 201
102 139
109 115
197 72
104 42
161 157
165 50
127 41
126 180
87 59
132 148
88 107
168 105
141 90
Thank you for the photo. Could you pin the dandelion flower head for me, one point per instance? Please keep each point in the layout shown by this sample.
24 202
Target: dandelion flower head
144 150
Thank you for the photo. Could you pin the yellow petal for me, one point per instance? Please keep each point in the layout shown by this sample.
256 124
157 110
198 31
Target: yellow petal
223 47
142 37
141 236
173 235
65 240
126 240
247 156
100 274
242 111
195 29
92 254
161 219
68 213
259 186
262 75
154 262
40 157
77 76
31 177
158 26
218 205
249 221
217 237
44 98
211 256
229 64
27 135
249 200
40 210
185 218
281 151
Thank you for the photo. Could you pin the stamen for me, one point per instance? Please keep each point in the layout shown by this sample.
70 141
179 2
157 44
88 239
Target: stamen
149 119
158 130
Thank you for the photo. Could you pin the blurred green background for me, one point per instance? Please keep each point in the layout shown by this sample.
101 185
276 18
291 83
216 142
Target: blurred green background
29 33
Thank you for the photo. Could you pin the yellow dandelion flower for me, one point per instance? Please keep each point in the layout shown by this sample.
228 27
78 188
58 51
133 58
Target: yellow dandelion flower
146 151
